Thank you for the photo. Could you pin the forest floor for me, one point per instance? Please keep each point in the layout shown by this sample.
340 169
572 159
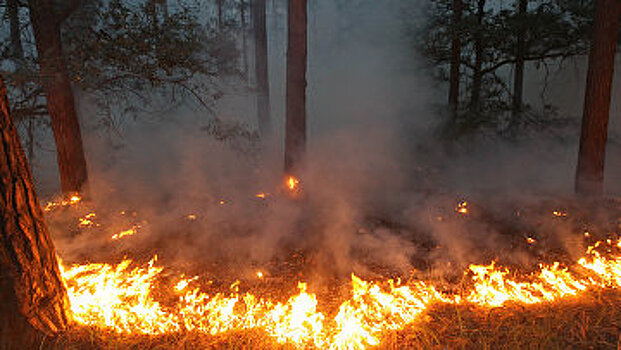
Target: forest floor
532 232
592 321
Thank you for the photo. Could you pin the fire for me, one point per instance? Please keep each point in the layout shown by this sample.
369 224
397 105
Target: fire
261 195
292 184
121 298
129 232
462 207
87 221
559 213
74 199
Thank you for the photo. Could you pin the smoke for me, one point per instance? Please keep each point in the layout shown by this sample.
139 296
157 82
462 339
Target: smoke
378 191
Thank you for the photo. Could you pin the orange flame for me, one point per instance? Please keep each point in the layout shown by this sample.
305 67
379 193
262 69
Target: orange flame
120 298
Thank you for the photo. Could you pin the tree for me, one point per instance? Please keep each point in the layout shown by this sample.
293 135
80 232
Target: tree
520 55
295 133
33 296
592 153
494 38
455 58
479 51
17 51
260 64
46 22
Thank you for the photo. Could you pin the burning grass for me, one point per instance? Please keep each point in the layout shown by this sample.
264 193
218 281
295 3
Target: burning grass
130 304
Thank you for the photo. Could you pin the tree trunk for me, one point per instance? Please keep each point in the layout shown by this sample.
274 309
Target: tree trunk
17 52
455 58
260 67
60 100
220 15
520 54
33 296
477 75
295 134
592 153
244 51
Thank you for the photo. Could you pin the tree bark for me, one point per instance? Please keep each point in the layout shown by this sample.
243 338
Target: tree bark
295 134
455 58
261 68
244 50
220 15
33 296
520 55
60 99
17 51
477 74
592 153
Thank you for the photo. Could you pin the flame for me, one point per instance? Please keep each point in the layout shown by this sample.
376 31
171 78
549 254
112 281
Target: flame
72 200
121 298
87 221
261 195
462 207
292 184
129 232
559 213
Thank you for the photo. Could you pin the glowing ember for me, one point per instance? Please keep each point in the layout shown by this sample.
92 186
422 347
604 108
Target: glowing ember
74 199
530 240
120 298
559 213
261 195
129 232
292 184
462 207
87 221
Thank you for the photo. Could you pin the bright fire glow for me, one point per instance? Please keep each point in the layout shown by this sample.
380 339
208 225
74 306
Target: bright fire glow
74 199
129 232
121 298
292 183
462 207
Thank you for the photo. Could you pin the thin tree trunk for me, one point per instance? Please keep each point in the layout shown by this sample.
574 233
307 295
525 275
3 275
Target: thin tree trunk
455 58
260 67
60 100
220 15
520 54
295 134
244 51
477 76
17 51
33 296
592 153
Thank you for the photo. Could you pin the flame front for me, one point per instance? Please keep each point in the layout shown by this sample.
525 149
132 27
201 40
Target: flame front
120 297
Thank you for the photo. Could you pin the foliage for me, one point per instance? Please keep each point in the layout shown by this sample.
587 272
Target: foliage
553 30
131 58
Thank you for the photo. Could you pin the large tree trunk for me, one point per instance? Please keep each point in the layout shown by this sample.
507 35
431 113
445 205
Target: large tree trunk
477 74
455 58
60 100
592 153
295 134
17 52
520 55
260 67
33 297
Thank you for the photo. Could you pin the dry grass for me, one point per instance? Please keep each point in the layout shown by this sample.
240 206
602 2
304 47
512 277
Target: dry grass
591 321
